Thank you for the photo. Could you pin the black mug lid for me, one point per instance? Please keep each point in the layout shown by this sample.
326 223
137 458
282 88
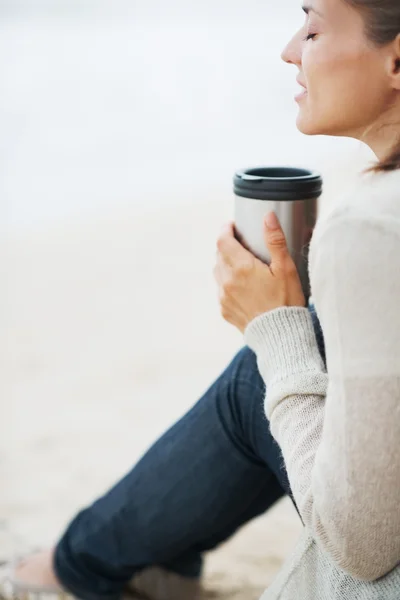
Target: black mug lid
277 183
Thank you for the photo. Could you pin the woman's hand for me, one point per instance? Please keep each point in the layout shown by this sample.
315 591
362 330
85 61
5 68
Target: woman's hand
247 286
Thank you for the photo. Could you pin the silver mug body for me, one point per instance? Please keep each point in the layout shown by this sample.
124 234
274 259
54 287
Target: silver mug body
297 218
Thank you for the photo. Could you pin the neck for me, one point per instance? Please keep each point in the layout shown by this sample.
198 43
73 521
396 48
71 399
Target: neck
383 146
383 136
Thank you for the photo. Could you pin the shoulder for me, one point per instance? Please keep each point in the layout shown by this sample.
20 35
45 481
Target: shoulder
372 203
355 249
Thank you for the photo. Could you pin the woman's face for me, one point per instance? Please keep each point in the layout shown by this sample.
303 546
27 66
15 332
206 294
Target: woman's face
344 75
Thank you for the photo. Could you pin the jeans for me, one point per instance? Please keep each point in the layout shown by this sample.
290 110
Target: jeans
217 468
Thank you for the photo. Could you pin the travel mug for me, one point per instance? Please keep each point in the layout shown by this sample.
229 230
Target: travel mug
292 194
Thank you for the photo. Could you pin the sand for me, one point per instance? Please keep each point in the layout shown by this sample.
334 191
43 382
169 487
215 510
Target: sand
111 331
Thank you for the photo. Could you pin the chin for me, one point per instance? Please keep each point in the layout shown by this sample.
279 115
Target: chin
307 126
311 126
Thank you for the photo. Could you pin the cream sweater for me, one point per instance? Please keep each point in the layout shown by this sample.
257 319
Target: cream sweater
339 428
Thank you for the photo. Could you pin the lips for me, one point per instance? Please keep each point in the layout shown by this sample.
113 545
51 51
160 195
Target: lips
301 83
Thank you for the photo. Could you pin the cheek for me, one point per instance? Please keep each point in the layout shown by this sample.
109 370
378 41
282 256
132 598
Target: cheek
341 97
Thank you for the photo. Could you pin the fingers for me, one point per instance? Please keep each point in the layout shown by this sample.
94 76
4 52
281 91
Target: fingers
275 241
222 270
228 246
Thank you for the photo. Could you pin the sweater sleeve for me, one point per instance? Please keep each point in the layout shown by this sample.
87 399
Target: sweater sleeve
339 428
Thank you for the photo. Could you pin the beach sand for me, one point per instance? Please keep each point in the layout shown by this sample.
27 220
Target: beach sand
111 331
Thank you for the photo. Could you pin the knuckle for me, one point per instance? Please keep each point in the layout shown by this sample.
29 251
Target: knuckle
220 243
225 297
228 287
290 268
244 268
277 239
224 313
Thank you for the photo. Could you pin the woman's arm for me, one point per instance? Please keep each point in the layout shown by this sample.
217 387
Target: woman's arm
340 434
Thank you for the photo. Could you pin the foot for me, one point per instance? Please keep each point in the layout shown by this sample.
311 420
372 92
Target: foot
37 570
154 583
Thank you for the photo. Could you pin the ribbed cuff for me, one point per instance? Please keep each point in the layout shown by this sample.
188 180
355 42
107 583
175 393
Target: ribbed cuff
285 343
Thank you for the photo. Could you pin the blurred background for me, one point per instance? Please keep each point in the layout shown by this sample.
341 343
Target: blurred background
122 124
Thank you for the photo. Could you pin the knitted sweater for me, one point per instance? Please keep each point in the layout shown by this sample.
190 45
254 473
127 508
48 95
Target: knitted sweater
339 428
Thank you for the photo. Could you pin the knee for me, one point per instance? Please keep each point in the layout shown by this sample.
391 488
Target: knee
243 382
245 369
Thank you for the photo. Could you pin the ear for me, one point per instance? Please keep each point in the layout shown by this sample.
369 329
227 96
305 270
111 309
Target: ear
394 64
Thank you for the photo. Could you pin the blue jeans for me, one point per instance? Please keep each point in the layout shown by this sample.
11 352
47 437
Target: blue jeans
217 468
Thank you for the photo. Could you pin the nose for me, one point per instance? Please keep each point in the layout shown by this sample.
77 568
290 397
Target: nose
292 53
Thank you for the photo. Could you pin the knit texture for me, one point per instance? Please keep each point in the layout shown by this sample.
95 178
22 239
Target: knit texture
339 428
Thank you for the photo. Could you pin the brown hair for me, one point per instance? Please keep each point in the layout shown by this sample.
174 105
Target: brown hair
382 26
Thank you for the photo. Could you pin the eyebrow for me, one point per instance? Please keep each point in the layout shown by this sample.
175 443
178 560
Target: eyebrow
308 9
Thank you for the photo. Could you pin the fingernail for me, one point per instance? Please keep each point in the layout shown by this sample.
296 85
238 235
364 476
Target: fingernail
272 221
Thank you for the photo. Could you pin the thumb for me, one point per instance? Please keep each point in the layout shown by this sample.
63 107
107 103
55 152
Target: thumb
275 239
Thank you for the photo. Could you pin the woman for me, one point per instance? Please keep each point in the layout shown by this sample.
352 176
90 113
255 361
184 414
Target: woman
334 424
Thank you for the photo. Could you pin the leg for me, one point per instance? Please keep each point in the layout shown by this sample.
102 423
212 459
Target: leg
215 469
